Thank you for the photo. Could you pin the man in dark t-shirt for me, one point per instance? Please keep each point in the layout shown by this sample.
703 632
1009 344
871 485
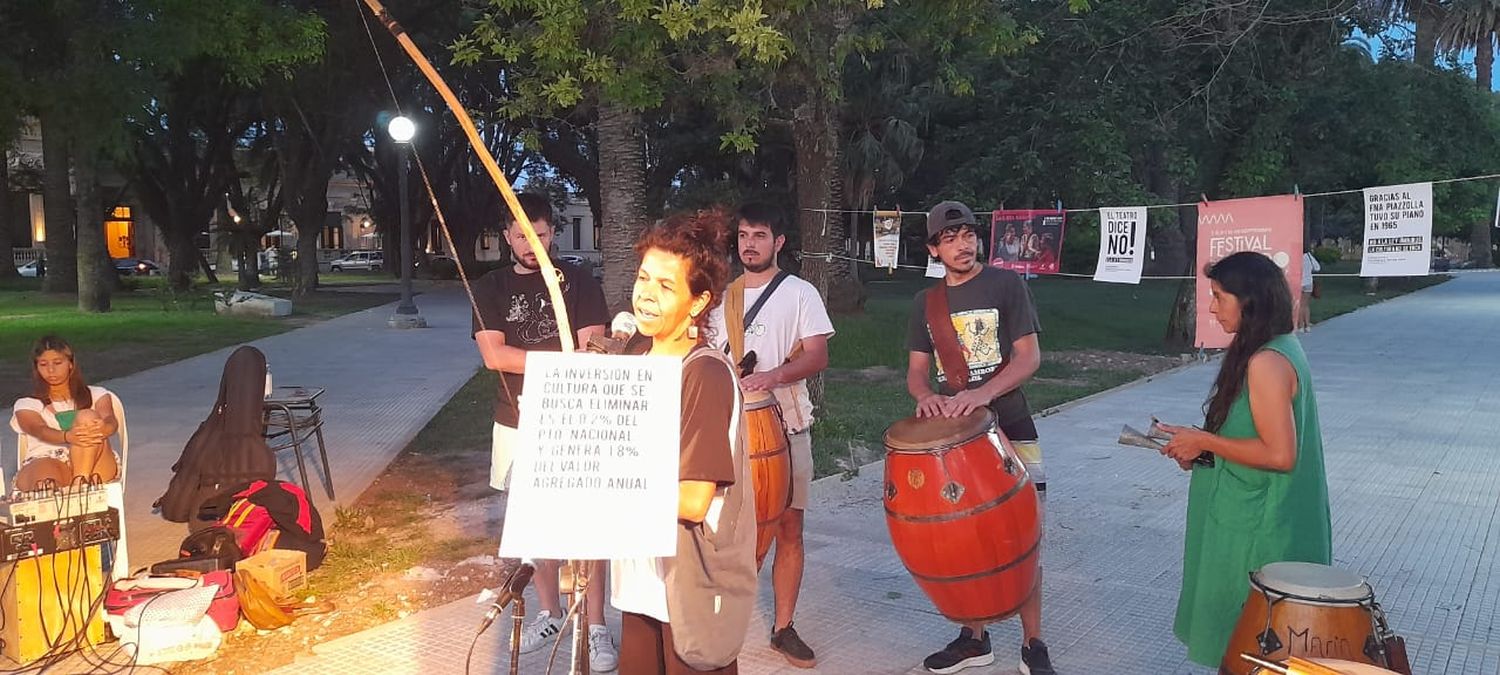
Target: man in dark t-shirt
992 313
513 315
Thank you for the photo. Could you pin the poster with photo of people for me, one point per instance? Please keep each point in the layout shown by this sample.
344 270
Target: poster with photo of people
1027 240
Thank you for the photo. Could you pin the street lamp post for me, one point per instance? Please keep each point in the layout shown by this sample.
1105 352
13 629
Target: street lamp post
402 130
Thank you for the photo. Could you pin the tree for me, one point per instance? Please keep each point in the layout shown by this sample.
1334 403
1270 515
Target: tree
1474 24
1426 17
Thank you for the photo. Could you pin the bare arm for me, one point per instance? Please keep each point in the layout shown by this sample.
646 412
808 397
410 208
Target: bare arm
918 369
812 360
105 407
693 499
33 425
497 355
1273 382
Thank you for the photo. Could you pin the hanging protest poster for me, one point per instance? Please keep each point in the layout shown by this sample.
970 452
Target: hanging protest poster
1268 225
1122 245
887 238
1398 231
1027 240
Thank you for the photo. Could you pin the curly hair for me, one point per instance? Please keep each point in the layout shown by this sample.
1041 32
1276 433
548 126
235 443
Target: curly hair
702 238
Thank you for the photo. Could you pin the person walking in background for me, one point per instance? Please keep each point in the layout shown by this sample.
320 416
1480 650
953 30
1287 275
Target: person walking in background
1309 289
1265 499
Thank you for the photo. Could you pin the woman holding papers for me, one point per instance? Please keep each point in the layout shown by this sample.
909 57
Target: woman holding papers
1265 499
689 613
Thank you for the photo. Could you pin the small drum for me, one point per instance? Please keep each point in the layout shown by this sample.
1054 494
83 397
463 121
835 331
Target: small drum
770 467
1310 611
963 515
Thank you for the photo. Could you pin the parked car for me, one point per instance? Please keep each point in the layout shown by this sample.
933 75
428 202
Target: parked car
1440 260
134 267
372 261
597 271
28 270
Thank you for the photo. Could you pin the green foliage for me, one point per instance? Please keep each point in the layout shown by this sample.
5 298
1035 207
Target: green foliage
1326 255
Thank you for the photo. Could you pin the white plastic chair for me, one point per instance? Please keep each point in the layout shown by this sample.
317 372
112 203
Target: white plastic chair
114 491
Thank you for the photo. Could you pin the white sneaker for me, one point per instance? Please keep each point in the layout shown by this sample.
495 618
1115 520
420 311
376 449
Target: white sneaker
539 630
602 655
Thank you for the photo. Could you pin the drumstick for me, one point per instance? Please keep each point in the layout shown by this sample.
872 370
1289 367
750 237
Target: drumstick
1300 666
1273 667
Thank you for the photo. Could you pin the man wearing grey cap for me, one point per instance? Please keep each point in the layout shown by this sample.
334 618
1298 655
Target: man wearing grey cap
992 313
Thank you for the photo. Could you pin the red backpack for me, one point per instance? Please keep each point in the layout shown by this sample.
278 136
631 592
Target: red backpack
270 514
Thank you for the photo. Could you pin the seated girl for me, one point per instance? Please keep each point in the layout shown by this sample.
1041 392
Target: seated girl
65 425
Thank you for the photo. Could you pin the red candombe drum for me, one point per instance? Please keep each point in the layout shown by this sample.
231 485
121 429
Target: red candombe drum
963 515
770 468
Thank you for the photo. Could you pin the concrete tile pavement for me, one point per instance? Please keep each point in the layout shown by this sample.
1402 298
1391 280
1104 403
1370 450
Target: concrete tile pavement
381 385
1409 405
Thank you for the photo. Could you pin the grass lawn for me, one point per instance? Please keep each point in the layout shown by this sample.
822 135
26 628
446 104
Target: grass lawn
147 327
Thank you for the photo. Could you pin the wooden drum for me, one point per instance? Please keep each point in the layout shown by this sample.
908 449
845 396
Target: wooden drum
963 515
770 468
1337 666
1310 611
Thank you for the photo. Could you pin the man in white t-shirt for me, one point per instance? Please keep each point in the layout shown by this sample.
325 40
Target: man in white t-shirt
789 335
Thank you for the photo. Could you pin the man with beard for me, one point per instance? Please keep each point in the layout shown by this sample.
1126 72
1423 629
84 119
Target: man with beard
514 316
780 318
993 315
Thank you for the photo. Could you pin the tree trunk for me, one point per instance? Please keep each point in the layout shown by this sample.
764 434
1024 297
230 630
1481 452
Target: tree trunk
96 273
61 248
815 140
7 247
1428 17
622 193
1484 62
1479 233
1182 323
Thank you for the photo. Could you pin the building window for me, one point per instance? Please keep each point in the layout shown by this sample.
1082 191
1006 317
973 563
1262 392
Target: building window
38 221
333 236
119 233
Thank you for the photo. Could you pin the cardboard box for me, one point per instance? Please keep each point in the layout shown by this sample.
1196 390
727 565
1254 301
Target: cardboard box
281 571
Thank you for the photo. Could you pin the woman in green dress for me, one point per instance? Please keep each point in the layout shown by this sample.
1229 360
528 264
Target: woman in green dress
1265 499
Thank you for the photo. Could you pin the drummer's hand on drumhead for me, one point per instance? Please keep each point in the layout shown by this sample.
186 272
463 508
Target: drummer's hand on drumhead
760 381
965 402
931 405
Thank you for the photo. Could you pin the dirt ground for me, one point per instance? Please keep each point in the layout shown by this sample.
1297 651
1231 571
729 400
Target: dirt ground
423 535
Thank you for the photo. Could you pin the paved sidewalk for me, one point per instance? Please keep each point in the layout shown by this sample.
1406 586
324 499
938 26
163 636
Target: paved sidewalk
382 386
1409 405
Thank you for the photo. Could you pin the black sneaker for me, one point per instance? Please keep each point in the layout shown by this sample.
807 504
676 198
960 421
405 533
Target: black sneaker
789 644
1034 659
964 652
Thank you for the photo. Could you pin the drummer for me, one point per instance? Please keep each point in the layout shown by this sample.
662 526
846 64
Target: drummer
994 353
783 321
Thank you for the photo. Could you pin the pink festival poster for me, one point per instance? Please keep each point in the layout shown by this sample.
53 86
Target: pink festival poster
1269 225
1027 240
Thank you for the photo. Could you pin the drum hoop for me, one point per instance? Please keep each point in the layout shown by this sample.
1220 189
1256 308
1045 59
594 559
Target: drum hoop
1366 601
1030 552
938 449
762 404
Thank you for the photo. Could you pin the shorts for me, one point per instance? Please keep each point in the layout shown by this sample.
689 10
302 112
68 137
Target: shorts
1023 437
802 467
502 445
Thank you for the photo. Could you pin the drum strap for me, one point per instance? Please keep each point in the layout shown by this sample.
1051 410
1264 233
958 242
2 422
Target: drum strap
945 338
735 316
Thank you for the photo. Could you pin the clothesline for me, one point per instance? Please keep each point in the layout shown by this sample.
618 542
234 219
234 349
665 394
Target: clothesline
1330 193
830 257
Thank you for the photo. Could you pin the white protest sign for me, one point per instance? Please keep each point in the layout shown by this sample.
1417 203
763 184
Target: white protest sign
1398 231
595 473
887 238
935 269
1122 245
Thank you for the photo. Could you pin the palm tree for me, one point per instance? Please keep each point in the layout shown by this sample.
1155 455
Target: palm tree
1426 15
1473 24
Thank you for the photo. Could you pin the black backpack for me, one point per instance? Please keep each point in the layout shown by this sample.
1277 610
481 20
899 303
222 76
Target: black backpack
229 448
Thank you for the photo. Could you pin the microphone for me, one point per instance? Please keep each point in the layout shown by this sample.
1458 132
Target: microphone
513 587
621 329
